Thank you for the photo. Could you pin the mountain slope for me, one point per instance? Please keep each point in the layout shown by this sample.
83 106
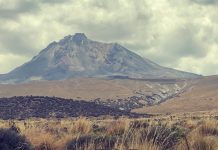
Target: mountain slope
78 56
202 95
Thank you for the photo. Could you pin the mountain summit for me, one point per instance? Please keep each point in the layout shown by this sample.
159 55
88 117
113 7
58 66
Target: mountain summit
80 38
78 56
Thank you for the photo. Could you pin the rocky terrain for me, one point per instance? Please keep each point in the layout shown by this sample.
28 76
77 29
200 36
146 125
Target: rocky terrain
78 56
53 107
123 94
201 95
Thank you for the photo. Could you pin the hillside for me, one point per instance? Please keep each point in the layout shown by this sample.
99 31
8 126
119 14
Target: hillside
48 107
202 95
118 93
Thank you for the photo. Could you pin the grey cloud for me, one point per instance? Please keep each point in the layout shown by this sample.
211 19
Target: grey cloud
24 6
206 2
54 1
111 32
118 24
13 43
27 6
166 32
182 43
106 4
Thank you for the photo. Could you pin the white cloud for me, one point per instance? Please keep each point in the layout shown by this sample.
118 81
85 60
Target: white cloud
180 34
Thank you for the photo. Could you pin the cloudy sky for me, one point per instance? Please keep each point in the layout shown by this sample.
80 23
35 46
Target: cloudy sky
182 34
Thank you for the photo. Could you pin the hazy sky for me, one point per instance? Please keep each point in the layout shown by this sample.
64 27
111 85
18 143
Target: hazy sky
182 34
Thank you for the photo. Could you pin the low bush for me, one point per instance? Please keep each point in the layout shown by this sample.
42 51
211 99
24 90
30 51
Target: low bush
136 124
117 127
203 144
45 146
92 142
11 140
82 126
161 135
209 128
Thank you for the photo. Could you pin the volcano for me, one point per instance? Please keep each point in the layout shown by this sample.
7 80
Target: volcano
78 56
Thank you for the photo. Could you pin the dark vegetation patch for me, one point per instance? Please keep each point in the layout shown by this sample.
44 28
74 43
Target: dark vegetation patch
24 107
11 140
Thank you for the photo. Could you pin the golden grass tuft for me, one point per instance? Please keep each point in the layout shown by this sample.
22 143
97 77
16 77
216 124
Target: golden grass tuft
181 132
209 127
81 126
118 127
198 142
38 136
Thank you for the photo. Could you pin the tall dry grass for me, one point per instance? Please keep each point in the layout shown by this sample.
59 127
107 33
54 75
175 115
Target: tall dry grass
157 133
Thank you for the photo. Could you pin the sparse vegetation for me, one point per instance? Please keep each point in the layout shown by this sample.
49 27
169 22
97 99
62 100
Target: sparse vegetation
177 132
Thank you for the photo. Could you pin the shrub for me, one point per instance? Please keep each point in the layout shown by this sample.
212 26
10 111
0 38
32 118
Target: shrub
145 146
203 144
79 143
161 135
13 127
11 140
136 124
196 141
39 137
45 146
209 128
105 142
92 142
117 127
82 126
